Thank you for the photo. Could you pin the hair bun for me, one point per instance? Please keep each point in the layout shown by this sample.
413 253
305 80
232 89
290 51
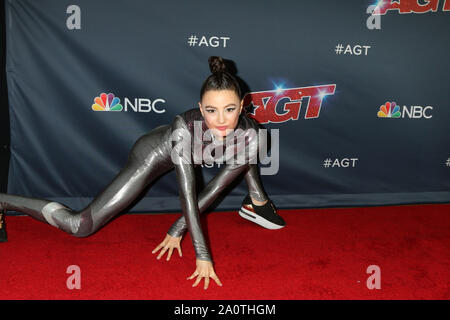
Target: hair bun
216 64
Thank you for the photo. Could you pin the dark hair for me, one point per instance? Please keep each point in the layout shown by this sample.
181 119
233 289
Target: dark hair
220 79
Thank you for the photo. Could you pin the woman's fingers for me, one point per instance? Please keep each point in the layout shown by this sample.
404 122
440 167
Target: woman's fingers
193 275
197 281
199 278
157 248
170 243
216 278
162 253
204 270
169 254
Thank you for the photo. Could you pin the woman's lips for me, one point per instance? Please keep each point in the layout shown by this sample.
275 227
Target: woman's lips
222 128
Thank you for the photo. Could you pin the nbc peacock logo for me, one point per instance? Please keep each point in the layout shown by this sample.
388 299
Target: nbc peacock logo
107 102
389 110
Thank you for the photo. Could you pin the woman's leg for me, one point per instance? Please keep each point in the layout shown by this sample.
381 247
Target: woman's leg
255 188
148 159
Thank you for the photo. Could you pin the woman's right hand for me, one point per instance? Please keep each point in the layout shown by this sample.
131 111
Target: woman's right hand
169 243
205 270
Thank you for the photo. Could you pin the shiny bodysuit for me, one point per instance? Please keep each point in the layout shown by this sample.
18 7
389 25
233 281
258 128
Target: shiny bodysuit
153 154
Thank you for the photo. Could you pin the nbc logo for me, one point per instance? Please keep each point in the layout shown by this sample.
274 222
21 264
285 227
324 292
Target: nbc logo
107 102
389 110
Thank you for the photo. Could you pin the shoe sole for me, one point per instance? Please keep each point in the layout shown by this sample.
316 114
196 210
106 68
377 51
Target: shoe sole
251 216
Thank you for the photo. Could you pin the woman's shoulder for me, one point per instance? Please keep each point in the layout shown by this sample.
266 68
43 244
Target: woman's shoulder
246 122
189 119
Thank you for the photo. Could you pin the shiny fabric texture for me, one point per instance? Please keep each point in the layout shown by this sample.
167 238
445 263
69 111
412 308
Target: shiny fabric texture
153 154
207 196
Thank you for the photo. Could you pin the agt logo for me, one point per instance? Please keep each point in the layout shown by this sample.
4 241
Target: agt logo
409 6
265 103
109 102
391 110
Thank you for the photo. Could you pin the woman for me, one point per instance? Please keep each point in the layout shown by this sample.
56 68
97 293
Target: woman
175 146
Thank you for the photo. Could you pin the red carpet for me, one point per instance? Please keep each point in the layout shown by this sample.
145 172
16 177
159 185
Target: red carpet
320 254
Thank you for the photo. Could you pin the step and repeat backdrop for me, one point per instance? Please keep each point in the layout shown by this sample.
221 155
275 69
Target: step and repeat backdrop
355 93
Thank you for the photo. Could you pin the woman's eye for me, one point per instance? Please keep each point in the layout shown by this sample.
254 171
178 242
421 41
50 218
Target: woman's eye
231 109
210 110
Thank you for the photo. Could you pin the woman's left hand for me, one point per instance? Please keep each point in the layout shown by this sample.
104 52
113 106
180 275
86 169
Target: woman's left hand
205 270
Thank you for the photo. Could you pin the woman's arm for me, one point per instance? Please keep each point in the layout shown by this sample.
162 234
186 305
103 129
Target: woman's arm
182 158
212 190
184 169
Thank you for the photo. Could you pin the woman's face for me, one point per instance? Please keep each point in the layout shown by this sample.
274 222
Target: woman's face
221 109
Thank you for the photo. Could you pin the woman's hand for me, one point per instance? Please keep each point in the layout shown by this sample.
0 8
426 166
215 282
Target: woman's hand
204 270
169 243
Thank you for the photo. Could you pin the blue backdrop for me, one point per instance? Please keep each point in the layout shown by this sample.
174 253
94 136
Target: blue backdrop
359 97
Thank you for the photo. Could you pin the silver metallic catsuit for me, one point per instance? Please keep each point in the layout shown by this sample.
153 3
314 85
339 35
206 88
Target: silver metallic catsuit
152 155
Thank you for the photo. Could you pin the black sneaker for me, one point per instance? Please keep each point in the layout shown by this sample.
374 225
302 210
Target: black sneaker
265 215
3 235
